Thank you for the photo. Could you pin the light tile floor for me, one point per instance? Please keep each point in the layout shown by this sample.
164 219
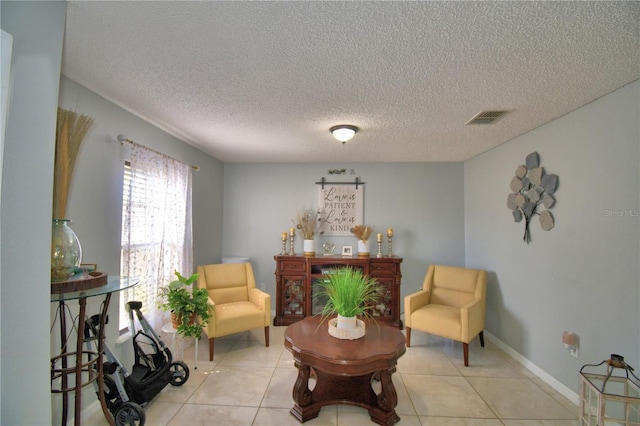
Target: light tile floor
249 384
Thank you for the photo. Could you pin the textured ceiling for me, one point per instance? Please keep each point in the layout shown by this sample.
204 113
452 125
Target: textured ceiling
264 81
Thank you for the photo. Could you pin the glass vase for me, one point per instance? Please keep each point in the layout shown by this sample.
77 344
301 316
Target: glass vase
66 252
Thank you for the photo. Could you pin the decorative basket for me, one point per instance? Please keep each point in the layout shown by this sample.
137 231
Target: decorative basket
346 333
80 282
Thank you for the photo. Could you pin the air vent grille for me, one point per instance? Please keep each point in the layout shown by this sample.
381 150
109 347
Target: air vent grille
486 117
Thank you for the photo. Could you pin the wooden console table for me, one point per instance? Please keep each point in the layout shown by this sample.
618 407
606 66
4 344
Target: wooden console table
344 369
295 276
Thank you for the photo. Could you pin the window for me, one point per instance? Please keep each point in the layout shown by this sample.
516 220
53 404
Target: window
156 227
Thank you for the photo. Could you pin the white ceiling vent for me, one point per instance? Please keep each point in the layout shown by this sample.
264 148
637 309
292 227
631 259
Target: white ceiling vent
486 117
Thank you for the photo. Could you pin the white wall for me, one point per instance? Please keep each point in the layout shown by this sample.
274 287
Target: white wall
37 29
422 202
584 274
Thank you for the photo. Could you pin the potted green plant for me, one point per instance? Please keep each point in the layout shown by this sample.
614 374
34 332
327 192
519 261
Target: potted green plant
349 293
186 302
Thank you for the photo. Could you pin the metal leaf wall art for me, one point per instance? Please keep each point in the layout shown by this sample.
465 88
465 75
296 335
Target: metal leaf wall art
532 193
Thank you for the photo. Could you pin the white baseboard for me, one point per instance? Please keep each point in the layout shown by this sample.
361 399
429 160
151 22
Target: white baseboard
543 375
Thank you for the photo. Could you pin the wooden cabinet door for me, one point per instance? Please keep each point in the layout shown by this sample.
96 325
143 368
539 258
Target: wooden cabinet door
386 271
291 290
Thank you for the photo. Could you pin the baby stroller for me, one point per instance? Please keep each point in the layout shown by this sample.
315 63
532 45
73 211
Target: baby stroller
126 393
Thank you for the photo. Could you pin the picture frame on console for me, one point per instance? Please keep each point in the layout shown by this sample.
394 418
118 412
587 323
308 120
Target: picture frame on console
347 251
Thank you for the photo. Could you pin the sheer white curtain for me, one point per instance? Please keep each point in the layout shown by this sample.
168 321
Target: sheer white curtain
156 227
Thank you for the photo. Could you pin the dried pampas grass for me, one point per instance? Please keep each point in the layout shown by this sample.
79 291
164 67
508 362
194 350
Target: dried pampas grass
70 132
309 222
362 232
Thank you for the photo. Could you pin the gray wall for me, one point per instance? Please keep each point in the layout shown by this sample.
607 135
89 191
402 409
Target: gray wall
37 29
95 198
583 275
422 202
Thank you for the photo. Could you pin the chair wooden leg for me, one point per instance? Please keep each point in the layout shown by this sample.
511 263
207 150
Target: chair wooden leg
266 336
211 349
408 336
481 335
465 349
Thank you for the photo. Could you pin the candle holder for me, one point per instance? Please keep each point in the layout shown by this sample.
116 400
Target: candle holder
390 249
379 249
291 240
284 247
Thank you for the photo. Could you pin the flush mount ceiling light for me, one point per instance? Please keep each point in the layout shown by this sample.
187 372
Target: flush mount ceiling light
343 132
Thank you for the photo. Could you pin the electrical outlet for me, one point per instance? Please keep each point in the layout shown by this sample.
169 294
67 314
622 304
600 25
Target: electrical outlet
570 341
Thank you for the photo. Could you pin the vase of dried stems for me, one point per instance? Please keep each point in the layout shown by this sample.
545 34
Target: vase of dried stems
362 233
66 251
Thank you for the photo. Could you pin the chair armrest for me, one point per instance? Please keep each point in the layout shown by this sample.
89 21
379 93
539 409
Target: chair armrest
210 327
412 302
472 319
263 301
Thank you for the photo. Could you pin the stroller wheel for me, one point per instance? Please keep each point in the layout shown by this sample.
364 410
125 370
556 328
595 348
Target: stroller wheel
179 373
129 414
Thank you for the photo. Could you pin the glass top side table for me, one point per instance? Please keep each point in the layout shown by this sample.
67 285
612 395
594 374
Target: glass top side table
69 363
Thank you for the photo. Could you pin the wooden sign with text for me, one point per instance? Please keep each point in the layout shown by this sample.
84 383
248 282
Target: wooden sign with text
342 205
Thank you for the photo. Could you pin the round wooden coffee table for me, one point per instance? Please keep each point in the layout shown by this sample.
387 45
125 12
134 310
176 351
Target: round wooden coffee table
344 369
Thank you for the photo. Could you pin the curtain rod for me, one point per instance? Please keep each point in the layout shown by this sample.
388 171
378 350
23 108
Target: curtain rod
122 139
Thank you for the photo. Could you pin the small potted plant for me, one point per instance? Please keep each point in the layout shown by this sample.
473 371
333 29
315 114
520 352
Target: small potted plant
186 302
349 293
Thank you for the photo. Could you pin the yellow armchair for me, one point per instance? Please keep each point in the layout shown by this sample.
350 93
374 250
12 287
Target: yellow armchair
237 304
451 304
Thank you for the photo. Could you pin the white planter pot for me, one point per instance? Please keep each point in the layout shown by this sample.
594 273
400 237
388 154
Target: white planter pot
346 322
309 247
355 332
363 248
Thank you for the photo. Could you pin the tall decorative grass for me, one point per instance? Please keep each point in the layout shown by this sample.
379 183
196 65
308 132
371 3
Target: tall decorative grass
71 129
348 292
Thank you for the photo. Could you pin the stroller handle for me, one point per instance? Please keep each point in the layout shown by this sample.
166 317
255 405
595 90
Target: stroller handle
133 305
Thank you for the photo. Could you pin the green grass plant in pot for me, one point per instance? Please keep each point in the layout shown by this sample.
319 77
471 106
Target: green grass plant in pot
186 303
349 293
